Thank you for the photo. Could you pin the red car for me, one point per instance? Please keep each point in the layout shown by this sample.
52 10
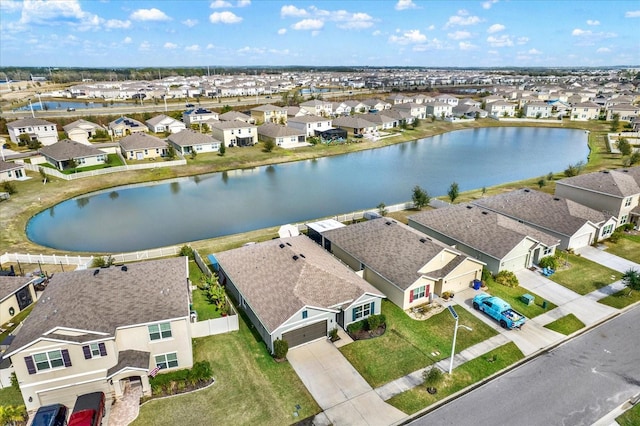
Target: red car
88 410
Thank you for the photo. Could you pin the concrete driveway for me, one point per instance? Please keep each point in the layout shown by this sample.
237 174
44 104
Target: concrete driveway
345 397
607 259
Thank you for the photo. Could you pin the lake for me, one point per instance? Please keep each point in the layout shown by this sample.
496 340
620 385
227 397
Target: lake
63 105
188 209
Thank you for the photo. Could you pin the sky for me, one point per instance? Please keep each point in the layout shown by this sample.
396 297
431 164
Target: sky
429 33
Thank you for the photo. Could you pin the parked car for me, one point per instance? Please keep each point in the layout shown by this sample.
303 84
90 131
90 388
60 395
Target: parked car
50 415
71 109
88 410
499 310
189 105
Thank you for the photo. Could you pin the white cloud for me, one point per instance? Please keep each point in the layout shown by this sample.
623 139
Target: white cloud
466 45
193 48
376 33
290 10
354 21
534 52
578 32
405 4
219 4
488 4
190 22
462 18
117 24
45 12
9 6
632 14
145 45
593 22
500 41
308 24
243 3
152 14
211 46
224 18
603 50
495 28
127 40
522 40
431 27
282 31
408 37
459 35
169 45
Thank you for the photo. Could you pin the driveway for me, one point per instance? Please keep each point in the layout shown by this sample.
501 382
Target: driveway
609 260
345 397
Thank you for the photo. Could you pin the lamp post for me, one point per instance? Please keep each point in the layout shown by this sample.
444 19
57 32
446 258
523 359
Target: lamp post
454 314
33 115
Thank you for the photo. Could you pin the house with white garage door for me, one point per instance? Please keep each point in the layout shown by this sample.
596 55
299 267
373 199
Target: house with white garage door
403 263
499 241
575 225
292 289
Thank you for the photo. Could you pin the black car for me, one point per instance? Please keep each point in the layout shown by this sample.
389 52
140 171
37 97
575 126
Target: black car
50 415
189 105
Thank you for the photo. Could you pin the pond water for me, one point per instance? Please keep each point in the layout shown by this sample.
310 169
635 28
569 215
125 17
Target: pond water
188 209
63 105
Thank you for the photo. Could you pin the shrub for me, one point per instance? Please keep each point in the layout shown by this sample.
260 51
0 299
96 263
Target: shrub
101 262
548 262
507 278
486 274
375 321
615 237
9 187
186 251
628 226
280 349
432 377
333 334
355 327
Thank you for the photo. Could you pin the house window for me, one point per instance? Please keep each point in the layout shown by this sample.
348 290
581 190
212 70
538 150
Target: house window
48 360
363 311
607 229
160 331
547 251
94 350
627 202
419 292
624 219
146 152
167 360
305 314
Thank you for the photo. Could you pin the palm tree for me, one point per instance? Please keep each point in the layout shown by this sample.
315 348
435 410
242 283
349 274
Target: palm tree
631 278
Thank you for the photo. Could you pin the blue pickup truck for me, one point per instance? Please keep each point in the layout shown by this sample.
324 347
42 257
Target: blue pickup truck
499 310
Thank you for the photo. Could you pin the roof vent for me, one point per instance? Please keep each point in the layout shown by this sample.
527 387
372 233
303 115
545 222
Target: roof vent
605 171
96 272
124 268
469 207
422 240
302 256
387 223
485 213
526 190
289 244
295 257
281 245
556 199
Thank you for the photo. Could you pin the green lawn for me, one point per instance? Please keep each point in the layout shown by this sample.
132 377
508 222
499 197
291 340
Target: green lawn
250 388
10 396
16 322
407 344
465 375
621 299
513 295
630 417
626 247
566 325
582 275
201 304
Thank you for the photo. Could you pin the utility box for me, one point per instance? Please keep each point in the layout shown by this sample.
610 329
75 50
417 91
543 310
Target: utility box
528 299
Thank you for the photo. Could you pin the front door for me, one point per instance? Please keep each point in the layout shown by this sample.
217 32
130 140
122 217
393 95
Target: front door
139 156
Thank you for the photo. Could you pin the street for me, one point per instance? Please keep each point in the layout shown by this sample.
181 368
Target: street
575 384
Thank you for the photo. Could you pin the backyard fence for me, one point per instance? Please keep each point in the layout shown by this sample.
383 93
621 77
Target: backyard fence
216 326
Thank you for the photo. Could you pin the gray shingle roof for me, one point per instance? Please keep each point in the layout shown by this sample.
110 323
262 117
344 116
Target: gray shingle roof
84 124
481 229
234 124
557 214
65 149
276 286
392 249
158 119
234 115
308 119
130 359
141 141
352 122
26 122
188 137
274 130
619 183
9 285
9 165
111 298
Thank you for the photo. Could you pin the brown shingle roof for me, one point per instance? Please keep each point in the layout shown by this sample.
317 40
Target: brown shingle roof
66 149
276 286
9 285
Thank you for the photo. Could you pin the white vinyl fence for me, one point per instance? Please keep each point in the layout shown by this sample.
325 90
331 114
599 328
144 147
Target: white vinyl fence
107 170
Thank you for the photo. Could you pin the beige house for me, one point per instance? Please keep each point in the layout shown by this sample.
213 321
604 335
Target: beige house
16 294
614 192
585 111
318 107
11 171
188 141
141 146
501 109
626 112
101 329
269 114
62 153
404 264
418 111
282 136
310 124
537 110
124 126
235 133
81 131
164 124
439 109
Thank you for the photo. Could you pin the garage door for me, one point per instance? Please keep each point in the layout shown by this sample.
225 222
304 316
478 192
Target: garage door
305 334
67 396
580 241
460 283
515 264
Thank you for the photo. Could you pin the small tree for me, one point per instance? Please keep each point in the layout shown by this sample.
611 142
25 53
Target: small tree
631 278
453 192
548 262
101 262
634 158
269 144
42 174
222 149
420 197
23 139
187 251
507 278
382 209
9 187
34 144
72 163
541 182
574 169
624 146
171 152
280 349
615 122
432 378
550 176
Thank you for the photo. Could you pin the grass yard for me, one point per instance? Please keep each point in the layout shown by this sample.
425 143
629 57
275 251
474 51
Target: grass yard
513 296
582 275
10 396
250 388
630 417
626 247
15 321
566 325
465 375
408 344
201 304
621 299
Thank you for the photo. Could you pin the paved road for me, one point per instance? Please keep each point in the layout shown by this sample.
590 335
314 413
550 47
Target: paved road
575 384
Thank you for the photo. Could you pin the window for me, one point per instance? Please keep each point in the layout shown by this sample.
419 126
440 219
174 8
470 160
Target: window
363 311
48 360
167 360
547 251
624 219
627 202
607 229
305 314
160 331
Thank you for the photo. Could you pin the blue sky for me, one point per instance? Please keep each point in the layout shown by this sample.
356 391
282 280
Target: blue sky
482 33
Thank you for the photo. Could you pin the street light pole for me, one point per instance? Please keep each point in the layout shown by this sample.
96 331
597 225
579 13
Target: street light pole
454 314
33 115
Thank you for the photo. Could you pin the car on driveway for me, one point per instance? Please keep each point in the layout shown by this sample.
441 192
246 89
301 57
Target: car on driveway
499 310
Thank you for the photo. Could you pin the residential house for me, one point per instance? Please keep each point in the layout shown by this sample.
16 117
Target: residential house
295 111
401 262
199 116
501 109
418 111
575 225
357 125
164 124
292 289
97 330
282 136
374 105
500 242
613 192
141 146
310 124
447 99
585 111
82 130
35 128
382 120
398 98
235 133
318 107
188 141
66 151
16 294
537 110
626 112
357 107
11 171
438 109
124 126
469 101
269 114
399 116
468 111
236 115
340 108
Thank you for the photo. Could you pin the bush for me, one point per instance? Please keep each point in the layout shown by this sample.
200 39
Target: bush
355 327
375 321
507 278
486 274
615 237
333 334
9 187
186 251
628 226
102 262
432 377
548 262
280 349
